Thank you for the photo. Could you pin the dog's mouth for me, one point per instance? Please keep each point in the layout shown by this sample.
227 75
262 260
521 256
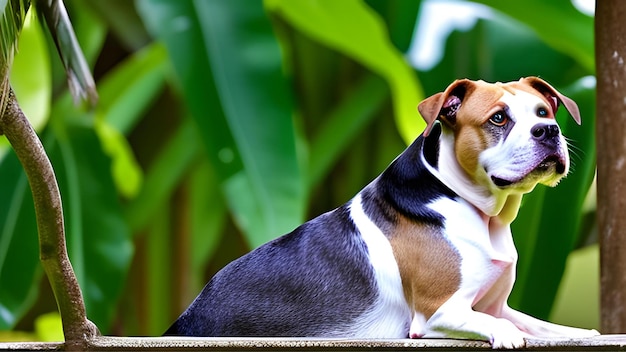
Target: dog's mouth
500 182
551 162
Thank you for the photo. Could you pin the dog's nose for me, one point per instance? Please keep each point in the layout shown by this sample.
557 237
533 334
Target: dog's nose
543 132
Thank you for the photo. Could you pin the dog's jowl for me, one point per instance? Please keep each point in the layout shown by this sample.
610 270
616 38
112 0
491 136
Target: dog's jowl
424 250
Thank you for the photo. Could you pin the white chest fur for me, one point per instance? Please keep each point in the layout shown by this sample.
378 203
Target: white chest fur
487 250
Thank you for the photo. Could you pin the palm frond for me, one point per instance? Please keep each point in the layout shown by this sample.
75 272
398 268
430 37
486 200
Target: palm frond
11 22
80 81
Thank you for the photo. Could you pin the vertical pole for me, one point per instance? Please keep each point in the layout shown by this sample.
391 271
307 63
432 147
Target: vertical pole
610 37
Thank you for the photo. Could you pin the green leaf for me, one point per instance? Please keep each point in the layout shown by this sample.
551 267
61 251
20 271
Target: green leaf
126 92
160 277
122 20
19 247
176 24
208 215
556 22
400 16
30 74
578 300
246 62
98 240
364 39
242 105
125 170
343 125
129 89
164 175
49 327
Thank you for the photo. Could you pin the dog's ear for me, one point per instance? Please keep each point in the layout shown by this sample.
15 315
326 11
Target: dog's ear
445 105
553 96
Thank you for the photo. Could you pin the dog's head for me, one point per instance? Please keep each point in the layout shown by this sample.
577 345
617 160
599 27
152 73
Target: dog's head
504 135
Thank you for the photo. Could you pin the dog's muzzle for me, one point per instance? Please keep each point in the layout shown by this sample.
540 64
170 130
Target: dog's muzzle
548 157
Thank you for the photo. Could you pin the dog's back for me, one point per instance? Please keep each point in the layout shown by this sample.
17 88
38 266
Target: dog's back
295 285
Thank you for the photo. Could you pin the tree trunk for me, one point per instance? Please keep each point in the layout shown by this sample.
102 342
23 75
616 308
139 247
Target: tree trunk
610 36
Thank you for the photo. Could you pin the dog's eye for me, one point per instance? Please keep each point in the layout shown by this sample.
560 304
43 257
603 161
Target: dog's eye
542 112
499 119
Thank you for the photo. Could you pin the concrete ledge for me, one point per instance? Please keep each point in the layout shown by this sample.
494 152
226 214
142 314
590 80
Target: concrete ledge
107 343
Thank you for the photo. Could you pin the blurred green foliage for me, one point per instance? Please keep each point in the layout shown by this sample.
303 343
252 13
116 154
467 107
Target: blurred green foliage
224 124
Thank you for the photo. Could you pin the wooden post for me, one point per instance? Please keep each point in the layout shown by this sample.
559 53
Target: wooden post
610 36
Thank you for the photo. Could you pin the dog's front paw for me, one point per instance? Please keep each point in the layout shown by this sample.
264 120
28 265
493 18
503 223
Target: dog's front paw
506 335
500 333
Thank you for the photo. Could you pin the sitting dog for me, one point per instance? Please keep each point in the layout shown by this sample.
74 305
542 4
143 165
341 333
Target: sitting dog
425 250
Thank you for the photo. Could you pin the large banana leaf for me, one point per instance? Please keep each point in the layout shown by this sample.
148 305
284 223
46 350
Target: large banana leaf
228 64
19 251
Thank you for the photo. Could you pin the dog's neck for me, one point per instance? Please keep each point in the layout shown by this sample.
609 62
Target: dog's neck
491 201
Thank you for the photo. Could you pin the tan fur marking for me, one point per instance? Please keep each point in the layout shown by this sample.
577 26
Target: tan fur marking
477 106
429 266
468 145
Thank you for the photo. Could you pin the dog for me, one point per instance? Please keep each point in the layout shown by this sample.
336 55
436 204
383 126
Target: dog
425 250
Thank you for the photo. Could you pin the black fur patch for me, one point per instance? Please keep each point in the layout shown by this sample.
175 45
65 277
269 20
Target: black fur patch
296 285
430 147
407 186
